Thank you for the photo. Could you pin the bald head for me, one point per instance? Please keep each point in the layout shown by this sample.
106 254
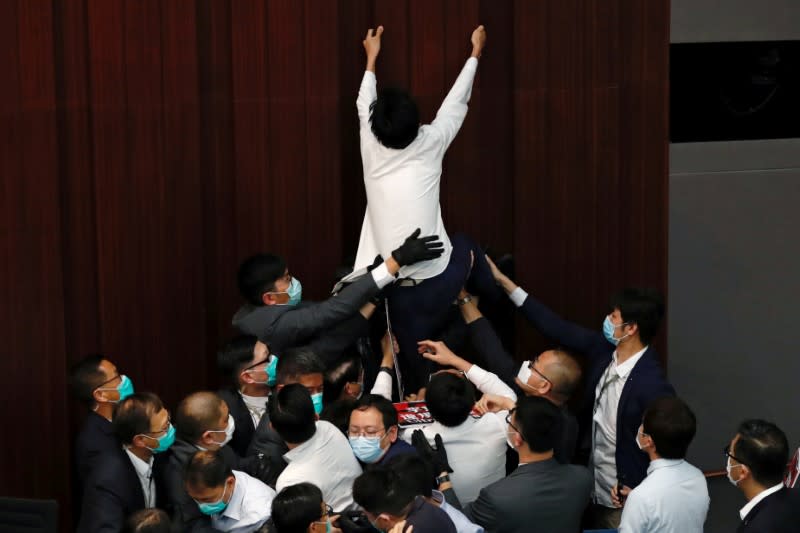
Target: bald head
563 371
197 413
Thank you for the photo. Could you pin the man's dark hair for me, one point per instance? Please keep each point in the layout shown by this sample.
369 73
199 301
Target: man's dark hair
395 118
384 407
338 414
295 507
449 398
291 413
643 307
133 415
206 469
381 490
345 370
414 471
234 355
196 414
298 362
537 421
148 521
257 274
763 448
671 425
85 376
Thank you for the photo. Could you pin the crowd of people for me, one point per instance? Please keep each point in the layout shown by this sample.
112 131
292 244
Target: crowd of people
305 436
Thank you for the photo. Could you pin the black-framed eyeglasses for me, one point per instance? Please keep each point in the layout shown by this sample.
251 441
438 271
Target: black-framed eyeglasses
727 452
251 367
508 421
327 514
117 376
531 367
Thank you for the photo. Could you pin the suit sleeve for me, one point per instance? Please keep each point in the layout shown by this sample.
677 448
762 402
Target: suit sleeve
331 343
482 511
102 511
489 345
295 327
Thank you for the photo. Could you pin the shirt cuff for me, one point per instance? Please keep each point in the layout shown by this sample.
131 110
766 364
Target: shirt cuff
473 62
518 296
382 276
476 374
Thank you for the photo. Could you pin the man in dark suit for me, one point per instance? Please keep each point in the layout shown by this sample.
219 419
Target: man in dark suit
756 463
541 495
276 314
623 377
250 371
128 478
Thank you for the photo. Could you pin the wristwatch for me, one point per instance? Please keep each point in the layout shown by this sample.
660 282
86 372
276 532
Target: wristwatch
465 300
442 479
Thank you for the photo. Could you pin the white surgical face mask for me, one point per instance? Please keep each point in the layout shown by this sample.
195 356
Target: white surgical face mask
524 373
229 429
728 468
639 444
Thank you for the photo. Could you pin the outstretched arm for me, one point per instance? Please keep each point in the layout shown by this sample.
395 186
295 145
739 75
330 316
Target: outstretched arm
368 92
453 110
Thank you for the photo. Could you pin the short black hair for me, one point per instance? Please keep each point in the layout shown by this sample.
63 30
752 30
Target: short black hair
338 414
291 413
641 306
257 274
150 520
133 415
449 398
415 471
207 469
85 376
381 490
395 118
384 407
764 449
671 425
234 355
537 421
345 370
295 507
297 362
196 414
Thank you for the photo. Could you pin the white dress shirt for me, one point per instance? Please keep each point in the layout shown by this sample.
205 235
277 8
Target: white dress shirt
489 383
604 425
383 386
256 406
403 185
327 461
249 507
144 471
760 496
462 523
673 498
476 450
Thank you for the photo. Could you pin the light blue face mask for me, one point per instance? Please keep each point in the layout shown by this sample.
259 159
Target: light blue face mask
608 331
367 449
272 370
295 292
125 388
164 441
216 507
316 399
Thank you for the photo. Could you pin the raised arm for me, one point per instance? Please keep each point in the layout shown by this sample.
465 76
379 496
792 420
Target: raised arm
453 110
368 92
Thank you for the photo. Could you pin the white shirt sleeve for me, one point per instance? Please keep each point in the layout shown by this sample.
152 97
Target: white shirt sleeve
635 514
383 386
453 110
367 93
518 296
489 383
381 275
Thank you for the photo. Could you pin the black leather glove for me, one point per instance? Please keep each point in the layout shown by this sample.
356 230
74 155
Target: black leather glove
437 457
416 249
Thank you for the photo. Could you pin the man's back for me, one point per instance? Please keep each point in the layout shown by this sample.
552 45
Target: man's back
545 497
777 513
673 498
327 461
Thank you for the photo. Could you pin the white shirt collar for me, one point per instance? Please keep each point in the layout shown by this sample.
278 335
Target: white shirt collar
255 402
625 368
661 463
234 508
743 512
143 468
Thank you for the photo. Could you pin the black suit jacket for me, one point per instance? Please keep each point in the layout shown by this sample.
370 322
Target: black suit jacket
95 439
267 441
545 497
244 431
113 492
777 513
328 327
500 362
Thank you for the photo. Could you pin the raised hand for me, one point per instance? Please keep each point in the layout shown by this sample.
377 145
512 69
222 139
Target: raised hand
372 42
438 352
478 40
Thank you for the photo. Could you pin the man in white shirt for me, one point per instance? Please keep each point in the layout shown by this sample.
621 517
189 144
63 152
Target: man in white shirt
673 498
235 501
402 164
756 463
318 452
476 447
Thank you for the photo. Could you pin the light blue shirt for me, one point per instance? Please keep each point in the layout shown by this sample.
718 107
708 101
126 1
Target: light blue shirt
462 523
673 498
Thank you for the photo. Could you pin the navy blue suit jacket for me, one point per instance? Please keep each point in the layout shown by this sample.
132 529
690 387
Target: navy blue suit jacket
645 383
777 513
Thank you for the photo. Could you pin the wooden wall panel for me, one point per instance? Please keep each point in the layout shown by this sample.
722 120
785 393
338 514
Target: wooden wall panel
148 146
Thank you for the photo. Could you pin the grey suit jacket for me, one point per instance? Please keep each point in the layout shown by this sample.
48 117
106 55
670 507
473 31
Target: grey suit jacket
545 497
283 326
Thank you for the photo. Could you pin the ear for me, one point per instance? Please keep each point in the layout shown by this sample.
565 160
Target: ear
139 441
393 432
245 377
267 299
631 329
99 396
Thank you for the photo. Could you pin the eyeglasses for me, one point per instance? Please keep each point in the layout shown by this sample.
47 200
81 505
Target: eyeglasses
727 453
100 387
367 433
164 429
328 512
508 421
530 366
251 367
